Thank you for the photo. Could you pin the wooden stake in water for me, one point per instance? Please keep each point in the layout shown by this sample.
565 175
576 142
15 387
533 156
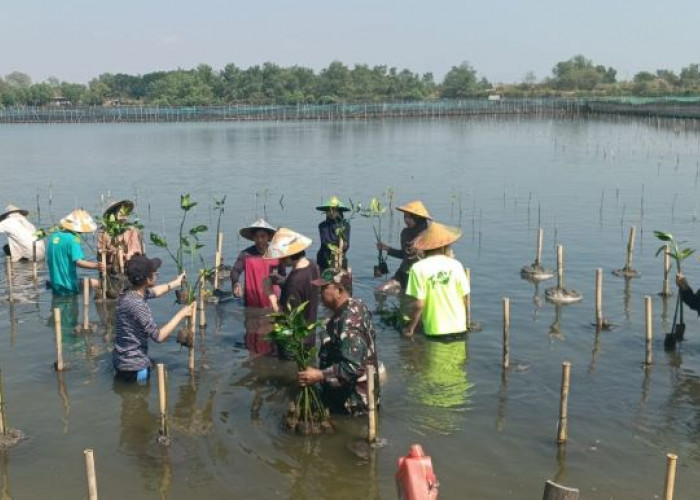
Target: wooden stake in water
217 258
120 259
162 399
670 482
202 311
599 298
371 405
191 324
630 248
103 257
538 255
554 491
59 342
666 292
86 304
506 333
563 427
9 278
35 274
560 267
90 473
649 333
469 298
3 418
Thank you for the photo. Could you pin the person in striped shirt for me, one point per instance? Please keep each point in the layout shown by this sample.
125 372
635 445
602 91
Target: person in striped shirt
135 324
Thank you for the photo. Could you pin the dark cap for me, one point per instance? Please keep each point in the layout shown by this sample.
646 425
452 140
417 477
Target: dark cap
334 276
141 267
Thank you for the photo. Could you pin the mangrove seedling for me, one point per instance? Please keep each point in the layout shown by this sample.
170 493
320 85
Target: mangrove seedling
374 211
307 414
114 225
189 244
679 255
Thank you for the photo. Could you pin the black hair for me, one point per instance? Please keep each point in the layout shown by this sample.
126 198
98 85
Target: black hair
298 255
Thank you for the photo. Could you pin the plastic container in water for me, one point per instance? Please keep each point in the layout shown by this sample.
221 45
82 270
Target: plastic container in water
415 479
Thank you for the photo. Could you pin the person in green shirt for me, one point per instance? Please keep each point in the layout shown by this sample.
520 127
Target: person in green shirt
439 285
64 253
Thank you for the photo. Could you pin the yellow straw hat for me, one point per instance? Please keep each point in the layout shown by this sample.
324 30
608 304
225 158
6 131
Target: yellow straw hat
78 221
436 236
124 206
415 208
285 243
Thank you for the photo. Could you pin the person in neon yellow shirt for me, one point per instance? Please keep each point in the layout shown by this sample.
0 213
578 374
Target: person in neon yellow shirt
439 284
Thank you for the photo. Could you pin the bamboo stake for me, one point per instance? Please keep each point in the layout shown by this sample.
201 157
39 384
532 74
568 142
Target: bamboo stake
563 427
540 237
469 298
371 405
9 279
162 399
59 341
192 322
217 264
560 267
649 334
120 260
506 333
202 311
90 472
104 275
86 304
599 298
3 417
666 292
670 482
630 248
35 274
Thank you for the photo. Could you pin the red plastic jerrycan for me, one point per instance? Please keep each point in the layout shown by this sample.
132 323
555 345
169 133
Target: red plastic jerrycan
415 479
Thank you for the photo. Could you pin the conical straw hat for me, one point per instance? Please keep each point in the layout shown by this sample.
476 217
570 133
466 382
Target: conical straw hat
436 236
285 243
116 206
11 209
333 202
415 208
247 232
79 221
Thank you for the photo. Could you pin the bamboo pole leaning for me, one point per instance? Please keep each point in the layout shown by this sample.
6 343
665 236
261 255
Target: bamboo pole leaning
648 358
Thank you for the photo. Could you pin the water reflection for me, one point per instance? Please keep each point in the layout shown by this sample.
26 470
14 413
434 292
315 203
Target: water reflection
438 382
555 331
4 473
65 400
257 326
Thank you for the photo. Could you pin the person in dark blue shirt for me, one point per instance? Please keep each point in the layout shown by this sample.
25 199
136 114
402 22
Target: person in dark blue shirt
334 233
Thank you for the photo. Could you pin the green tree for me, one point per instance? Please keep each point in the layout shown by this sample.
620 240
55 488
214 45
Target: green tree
461 82
579 73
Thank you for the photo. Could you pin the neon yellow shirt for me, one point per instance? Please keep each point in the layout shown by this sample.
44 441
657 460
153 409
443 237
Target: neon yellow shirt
441 283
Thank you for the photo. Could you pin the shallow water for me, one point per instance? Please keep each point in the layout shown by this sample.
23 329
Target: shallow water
490 436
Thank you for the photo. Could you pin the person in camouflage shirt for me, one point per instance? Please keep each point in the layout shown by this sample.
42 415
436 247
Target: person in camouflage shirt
347 346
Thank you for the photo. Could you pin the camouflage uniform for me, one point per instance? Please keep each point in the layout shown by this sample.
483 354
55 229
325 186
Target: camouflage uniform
347 346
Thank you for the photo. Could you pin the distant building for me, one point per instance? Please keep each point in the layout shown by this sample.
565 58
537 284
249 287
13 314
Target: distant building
59 102
494 97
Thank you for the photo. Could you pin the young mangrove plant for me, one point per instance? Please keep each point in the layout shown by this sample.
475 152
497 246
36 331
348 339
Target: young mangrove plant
679 255
307 414
189 244
374 211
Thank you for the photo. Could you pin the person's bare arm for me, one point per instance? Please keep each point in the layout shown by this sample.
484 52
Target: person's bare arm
416 314
168 328
160 290
86 264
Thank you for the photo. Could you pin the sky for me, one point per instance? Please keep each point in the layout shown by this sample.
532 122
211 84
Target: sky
76 40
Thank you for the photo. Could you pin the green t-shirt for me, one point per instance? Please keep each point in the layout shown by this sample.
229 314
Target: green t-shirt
63 250
441 283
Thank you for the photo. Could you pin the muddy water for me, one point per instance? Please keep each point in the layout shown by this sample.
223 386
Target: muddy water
490 436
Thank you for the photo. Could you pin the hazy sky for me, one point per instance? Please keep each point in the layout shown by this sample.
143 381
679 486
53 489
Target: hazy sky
76 40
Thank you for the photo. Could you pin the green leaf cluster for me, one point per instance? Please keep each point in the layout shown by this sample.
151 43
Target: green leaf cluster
677 253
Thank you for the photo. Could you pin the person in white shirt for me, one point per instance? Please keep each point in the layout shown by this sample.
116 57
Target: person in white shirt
21 235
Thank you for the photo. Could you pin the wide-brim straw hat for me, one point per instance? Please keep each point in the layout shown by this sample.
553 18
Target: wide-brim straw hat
415 208
79 221
436 236
333 202
286 243
127 206
11 209
247 232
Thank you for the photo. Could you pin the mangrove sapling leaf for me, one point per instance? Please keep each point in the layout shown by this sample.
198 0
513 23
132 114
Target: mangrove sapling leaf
289 331
678 254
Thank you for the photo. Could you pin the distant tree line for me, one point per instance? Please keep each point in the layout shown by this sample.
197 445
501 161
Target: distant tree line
274 84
